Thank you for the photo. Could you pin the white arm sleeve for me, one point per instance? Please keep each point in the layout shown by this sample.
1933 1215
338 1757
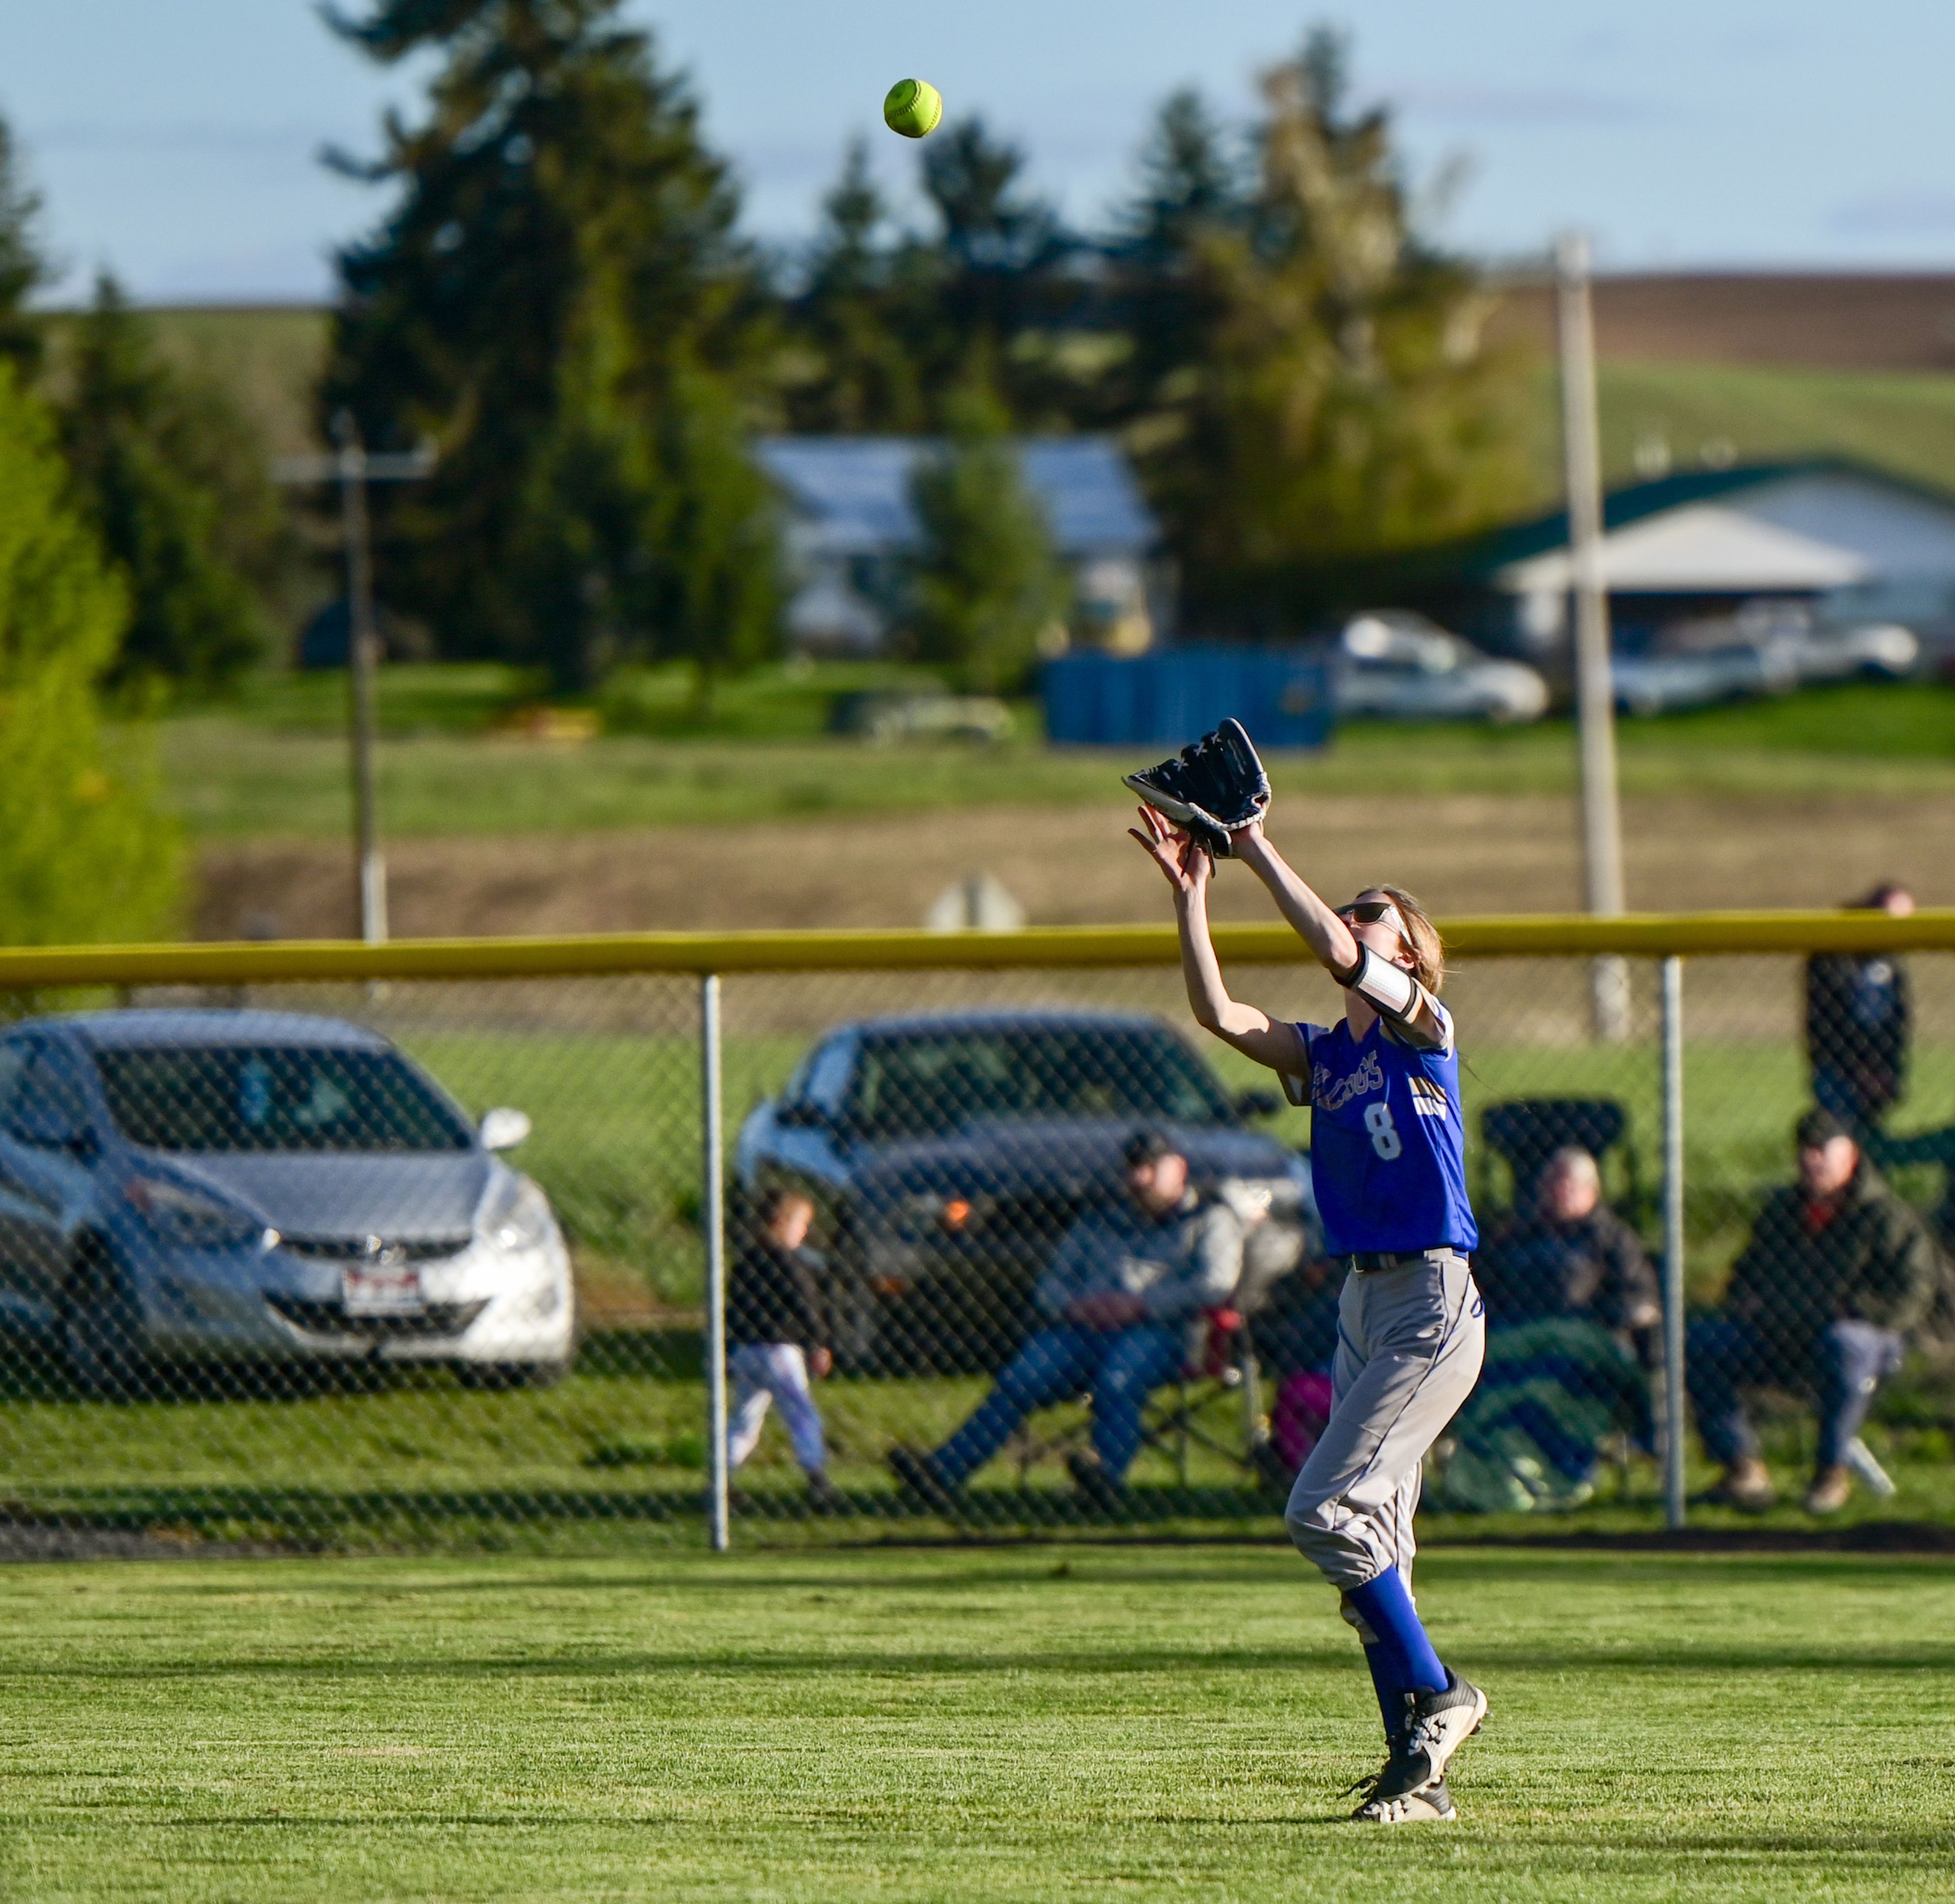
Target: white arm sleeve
1394 994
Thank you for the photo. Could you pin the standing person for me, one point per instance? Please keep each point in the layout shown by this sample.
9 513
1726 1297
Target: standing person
776 1337
1388 1161
1858 1019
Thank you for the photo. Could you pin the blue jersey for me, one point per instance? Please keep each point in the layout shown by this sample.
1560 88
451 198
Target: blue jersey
1387 1143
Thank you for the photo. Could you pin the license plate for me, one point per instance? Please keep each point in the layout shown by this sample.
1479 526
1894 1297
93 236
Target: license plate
382 1290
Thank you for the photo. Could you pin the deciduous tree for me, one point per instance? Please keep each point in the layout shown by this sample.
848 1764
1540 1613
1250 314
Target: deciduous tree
85 854
1338 400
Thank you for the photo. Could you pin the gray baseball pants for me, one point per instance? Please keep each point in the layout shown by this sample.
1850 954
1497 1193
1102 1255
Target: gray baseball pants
1410 1342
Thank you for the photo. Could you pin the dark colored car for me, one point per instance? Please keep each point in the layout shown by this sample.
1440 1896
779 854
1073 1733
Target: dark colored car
948 1155
240 1186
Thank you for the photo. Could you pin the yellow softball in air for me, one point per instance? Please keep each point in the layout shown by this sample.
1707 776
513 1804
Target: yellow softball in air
913 107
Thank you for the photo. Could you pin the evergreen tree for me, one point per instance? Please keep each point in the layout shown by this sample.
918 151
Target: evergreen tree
996 277
1341 404
23 268
176 491
1190 191
84 853
860 375
558 290
987 583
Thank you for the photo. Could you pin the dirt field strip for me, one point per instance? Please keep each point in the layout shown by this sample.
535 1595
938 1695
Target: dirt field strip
1461 853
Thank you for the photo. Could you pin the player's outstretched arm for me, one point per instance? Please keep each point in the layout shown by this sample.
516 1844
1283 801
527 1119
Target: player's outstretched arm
1314 921
1187 869
1378 981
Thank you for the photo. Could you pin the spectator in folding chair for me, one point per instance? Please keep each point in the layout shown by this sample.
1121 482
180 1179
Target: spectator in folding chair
1837 1271
1295 1336
1570 1256
1572 1303
1124 1301
1859 1022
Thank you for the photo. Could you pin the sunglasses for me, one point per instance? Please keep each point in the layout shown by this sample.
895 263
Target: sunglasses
1368 912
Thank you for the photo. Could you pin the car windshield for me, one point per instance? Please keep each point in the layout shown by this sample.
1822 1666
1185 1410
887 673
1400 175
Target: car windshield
936 1081
205 1098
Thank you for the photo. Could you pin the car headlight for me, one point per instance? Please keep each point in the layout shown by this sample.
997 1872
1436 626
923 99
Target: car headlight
521 1220
189 1217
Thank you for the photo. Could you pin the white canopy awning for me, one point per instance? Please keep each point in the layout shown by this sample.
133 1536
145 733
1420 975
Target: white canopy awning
1703 548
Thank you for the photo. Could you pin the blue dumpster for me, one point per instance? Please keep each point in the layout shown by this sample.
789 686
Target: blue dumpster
1175 695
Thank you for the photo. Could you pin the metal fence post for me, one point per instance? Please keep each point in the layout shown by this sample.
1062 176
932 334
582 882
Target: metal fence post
1673 1241
713 1216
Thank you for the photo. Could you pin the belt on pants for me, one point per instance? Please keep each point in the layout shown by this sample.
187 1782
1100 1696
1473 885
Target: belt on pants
1367 1263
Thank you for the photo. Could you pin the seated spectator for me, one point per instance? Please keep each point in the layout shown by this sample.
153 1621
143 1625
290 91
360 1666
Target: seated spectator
1838 1269
1858 1023
1569 1294
1295 1336
1123 1301
1571 1255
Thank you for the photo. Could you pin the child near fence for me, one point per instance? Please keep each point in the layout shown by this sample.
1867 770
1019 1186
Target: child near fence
776 1337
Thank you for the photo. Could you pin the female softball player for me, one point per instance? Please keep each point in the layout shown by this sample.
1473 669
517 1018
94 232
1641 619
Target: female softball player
1387 1159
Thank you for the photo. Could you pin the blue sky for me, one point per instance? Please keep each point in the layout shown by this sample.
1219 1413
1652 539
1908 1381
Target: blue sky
179 143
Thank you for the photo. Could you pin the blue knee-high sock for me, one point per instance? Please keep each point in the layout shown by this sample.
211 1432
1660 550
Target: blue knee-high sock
1386 1684
1388 1611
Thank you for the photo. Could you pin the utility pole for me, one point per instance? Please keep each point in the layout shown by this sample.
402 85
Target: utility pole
1595 699
353 469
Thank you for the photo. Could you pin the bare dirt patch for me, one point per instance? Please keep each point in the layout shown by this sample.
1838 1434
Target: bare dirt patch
1880 320
1461 853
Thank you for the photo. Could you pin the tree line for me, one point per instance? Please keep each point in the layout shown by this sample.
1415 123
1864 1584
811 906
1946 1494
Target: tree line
560 297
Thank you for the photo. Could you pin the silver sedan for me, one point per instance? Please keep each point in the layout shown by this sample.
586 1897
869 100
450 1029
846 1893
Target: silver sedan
203 1186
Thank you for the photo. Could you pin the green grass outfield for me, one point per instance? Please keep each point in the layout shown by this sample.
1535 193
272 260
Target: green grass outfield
953 1724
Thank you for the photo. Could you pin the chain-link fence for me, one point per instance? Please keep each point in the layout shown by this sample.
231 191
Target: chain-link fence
438 1254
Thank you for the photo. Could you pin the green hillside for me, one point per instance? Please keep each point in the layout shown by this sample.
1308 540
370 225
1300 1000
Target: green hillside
267 358
1900 420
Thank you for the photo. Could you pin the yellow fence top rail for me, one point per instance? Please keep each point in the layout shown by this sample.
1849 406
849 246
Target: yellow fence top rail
1542 935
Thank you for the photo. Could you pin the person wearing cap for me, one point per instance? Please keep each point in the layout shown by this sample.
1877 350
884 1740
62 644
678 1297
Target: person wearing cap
1122 1300
1837 1269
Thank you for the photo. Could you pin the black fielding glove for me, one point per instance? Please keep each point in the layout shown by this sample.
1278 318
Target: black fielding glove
1209 789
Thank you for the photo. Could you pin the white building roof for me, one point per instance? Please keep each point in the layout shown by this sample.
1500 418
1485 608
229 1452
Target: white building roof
1778 531
852 494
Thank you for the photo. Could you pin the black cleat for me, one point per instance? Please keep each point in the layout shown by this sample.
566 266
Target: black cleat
824 1497
1437 1725
1208 789
916 1475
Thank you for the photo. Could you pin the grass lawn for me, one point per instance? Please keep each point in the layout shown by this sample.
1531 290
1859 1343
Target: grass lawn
275 762
1021 1724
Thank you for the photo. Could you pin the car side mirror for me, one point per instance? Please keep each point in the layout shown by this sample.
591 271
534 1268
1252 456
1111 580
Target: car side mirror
503 1129
1251 1104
